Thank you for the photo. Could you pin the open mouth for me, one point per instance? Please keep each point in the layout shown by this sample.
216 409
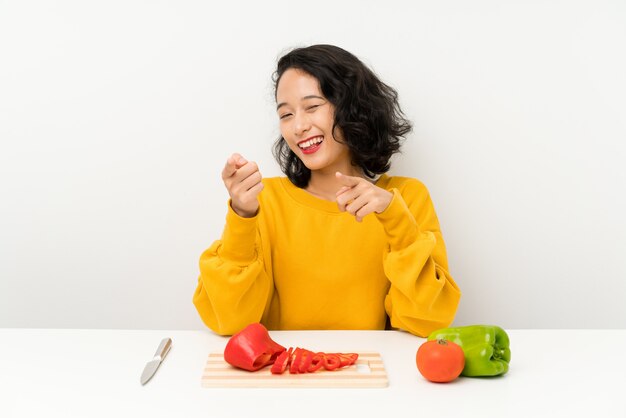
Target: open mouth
311 145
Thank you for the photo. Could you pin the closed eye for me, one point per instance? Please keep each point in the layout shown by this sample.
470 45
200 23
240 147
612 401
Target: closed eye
285 115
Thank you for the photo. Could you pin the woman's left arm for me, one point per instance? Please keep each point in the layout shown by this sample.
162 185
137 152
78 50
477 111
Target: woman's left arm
423 296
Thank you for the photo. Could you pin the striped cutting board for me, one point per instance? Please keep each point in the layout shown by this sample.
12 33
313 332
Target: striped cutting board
368 371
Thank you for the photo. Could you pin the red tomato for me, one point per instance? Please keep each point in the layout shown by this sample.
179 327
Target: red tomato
440 360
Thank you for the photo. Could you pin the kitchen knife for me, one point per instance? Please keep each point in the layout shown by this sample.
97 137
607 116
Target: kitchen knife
153 365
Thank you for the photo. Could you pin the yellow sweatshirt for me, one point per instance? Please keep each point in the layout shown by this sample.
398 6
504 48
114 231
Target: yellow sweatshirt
300 263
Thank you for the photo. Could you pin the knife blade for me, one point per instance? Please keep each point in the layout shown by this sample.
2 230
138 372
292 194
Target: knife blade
151 367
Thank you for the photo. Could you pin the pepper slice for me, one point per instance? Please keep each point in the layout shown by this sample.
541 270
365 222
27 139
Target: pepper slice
332 361
252 348
282 362
305 361
486 348
347 359
317 362
296 358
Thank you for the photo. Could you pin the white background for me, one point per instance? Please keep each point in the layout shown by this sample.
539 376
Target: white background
116 118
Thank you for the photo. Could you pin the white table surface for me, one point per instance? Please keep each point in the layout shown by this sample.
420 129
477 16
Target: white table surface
95 373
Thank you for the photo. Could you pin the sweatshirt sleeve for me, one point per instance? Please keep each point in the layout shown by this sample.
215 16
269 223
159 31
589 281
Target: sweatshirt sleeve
233 288
423 296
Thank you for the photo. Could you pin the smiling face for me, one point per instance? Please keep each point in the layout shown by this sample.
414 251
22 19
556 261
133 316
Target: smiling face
306 123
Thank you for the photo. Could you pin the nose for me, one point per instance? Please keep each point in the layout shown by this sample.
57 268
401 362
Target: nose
302 123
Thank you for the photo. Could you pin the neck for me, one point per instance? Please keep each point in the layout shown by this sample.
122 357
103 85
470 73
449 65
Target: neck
324 183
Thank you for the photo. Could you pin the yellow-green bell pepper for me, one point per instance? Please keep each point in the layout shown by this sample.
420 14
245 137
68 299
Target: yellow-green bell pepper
486 348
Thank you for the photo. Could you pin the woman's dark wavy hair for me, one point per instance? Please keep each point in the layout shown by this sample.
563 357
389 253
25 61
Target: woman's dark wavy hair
366 110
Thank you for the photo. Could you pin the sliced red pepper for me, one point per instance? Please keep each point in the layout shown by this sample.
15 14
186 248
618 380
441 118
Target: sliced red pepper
353 358
348 359
317 361
305 362
252 348
296 357
344 361
332 361
282 362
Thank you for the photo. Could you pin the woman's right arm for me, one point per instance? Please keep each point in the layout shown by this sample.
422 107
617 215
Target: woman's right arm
233 288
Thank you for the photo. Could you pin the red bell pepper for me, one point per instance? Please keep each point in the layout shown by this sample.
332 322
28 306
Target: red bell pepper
252 348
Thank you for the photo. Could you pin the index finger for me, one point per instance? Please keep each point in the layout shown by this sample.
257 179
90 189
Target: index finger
347 180
233 163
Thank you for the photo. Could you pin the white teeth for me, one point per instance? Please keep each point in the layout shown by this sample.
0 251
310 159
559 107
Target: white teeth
311 142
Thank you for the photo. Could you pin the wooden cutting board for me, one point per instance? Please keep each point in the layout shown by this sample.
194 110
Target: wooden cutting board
368 371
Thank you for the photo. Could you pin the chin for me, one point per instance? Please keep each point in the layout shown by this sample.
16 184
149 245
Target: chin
314 165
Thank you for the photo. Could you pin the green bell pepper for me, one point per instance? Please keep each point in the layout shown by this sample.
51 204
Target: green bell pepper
486 348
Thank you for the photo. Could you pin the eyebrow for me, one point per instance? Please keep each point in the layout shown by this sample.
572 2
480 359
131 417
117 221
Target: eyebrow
311 96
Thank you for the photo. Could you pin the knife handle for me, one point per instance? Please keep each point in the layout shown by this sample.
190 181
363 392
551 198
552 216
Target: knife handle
164 348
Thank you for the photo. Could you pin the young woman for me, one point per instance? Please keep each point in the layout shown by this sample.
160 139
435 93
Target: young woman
337 244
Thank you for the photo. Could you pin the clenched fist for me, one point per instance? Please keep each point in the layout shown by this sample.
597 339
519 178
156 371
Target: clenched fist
242 179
